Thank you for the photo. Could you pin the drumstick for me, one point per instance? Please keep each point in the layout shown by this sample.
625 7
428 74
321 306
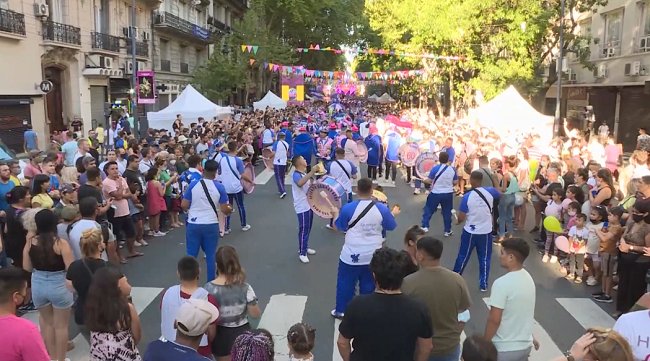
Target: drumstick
453 211
324 195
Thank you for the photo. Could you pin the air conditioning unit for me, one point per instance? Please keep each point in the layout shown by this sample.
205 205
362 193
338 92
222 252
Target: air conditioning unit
146 36
128 67
601 71
41 10
99 61
632 69
131 31
611 52
644 44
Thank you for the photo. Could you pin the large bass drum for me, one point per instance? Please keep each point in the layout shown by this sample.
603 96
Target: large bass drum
333 191
268 161
424 163
249 170
408 154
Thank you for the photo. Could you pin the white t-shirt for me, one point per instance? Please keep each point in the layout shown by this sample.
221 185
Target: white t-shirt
145 165
579 236
593 242
553 209
335 170
75 236
635 327
640 171
300 203
364 130
479 216
231 171
281 149
514 293
267 136
201 212
365 237
446 176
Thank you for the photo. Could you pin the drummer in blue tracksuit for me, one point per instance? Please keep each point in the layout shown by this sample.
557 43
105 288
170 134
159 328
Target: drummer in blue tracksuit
288 137
304 146
393 141
332 133
375 153
344 171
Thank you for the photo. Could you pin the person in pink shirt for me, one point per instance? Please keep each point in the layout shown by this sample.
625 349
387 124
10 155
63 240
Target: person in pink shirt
612 153
21 340
34 166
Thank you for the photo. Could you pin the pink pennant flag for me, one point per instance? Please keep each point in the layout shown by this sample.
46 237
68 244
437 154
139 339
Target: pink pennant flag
300 50
337 51
316 47
275 67
249 47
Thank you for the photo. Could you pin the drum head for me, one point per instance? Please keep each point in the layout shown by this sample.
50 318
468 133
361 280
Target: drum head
333 191
424 163
408 153
249 187
268 161
361 146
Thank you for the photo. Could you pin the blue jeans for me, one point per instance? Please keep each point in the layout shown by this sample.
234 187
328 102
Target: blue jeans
205 237
239 198
506 214
345 201
305 221
454 356
483 244
346 282
279 170
446 201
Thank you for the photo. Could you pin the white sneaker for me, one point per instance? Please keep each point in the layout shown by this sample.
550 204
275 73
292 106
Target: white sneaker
227 231
328 226
303 259
137 244
374 181
553 259
426 192
447 234
412 185
392 182
591 281
439 206
283 195
416 191
310 251
143 242
159 234
246 227
545 258
426 229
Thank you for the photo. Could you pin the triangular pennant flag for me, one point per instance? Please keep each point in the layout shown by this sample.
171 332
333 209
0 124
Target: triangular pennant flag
270 66
305 50
316 47
275 67
328 48
300 50
266 64
251 61
249 47
243 48
255 48
311 47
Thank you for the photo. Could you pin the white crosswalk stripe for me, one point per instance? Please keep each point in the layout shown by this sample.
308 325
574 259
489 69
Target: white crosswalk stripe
282 312
587 312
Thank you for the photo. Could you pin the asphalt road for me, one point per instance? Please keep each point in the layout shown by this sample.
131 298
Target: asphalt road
290 291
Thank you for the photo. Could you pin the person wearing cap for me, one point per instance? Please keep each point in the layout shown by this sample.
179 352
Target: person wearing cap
324 148
68 215
34 166
280 155
332 130
375 154
192 321
68 198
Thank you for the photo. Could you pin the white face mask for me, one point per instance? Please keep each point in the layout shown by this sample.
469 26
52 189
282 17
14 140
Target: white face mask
571 213
591 174
172 162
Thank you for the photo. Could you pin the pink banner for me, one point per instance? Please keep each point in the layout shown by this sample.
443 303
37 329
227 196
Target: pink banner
145 87
399 123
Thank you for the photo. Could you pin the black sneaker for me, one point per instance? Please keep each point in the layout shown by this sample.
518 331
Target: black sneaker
597 294
604 298
28 307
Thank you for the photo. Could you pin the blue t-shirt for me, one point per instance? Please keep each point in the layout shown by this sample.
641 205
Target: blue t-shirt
4 189
69 149
30 139
83 178
171 351
451 152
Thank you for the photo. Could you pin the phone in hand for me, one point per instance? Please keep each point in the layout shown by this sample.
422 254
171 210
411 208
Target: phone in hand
605 226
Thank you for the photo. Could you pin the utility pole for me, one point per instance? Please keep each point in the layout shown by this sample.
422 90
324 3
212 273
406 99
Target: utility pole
558 99
134 110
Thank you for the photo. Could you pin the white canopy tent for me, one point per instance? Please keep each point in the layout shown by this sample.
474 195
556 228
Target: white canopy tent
270 100
191 105
385 99
373 98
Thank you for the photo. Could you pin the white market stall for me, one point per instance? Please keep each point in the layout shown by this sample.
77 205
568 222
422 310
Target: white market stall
373 98
385 99
191 105
270 100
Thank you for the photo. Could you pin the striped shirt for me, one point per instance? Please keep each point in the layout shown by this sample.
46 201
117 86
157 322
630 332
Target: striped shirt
535 153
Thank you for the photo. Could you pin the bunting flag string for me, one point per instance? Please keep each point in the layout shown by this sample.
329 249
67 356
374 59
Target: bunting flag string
317 47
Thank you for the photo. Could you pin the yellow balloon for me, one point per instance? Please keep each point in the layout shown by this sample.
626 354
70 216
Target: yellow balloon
552 224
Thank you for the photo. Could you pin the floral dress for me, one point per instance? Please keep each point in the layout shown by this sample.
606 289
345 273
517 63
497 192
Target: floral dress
105 346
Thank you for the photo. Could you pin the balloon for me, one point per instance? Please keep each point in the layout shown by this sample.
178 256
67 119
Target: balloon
552 224
565 203
562 243
519 200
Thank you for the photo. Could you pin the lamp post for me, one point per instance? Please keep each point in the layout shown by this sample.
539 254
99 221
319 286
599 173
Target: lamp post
134 111
558 99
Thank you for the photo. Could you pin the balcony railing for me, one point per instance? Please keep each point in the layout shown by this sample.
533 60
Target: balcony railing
165 65
105 42
12 22
241 3
165 19
141 48
610 49
61 33
185 68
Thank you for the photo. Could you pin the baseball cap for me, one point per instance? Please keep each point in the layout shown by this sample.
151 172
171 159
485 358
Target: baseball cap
333 126
302 129
194 317
355 128
67 188
34 153
69 213
163 139
285 124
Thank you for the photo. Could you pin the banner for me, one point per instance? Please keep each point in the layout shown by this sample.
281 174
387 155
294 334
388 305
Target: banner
293 88
145 87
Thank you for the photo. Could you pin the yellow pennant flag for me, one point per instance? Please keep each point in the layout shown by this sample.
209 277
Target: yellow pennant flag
243 48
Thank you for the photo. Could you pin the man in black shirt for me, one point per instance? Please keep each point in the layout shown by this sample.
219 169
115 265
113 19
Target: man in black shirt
93 188
386 325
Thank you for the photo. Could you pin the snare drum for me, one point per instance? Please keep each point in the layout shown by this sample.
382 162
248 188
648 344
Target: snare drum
408 153
334 192
363 150
249 170
268 161
424 163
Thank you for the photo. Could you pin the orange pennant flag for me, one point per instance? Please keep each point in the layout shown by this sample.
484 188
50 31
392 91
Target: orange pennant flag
251 61
311 47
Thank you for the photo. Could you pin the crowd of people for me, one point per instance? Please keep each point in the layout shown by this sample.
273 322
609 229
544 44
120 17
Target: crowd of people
88 206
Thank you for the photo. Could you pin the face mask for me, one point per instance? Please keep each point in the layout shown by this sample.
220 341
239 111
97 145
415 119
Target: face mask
572 213
544 164
593 220
172 162
124 156
637 218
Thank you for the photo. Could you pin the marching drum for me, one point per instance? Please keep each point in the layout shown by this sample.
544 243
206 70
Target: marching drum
268 161
408 154
249 170
324 194
361 146
424 163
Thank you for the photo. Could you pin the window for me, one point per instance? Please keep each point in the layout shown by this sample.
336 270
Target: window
56 10
645 19
4 4
199 57
183 53
614 28
164 49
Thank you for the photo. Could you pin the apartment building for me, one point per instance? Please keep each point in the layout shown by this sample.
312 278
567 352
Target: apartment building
185 32
618 88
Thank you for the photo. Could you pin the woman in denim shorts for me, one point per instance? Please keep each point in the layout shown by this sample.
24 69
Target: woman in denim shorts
48 258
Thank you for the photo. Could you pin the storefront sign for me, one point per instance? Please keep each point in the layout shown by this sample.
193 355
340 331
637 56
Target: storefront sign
145 87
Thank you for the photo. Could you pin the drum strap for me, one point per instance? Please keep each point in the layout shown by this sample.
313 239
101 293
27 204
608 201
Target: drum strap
363 213
440 173
483 198
341 165
230 166
207 195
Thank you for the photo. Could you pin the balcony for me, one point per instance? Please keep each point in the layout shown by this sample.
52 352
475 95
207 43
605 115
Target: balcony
61 34
105 42
242 4
141 48
610 49
185 68
165 65
219 25
12 22
175 26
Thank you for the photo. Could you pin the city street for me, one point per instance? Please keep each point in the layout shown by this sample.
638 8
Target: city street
290 291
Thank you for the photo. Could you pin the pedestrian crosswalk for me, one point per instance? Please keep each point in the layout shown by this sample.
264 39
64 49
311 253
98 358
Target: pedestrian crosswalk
282 311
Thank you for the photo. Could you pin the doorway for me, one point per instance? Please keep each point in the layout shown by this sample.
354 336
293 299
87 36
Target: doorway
54 99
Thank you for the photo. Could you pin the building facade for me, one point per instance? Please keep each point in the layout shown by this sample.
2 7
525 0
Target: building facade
82 48
618 87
